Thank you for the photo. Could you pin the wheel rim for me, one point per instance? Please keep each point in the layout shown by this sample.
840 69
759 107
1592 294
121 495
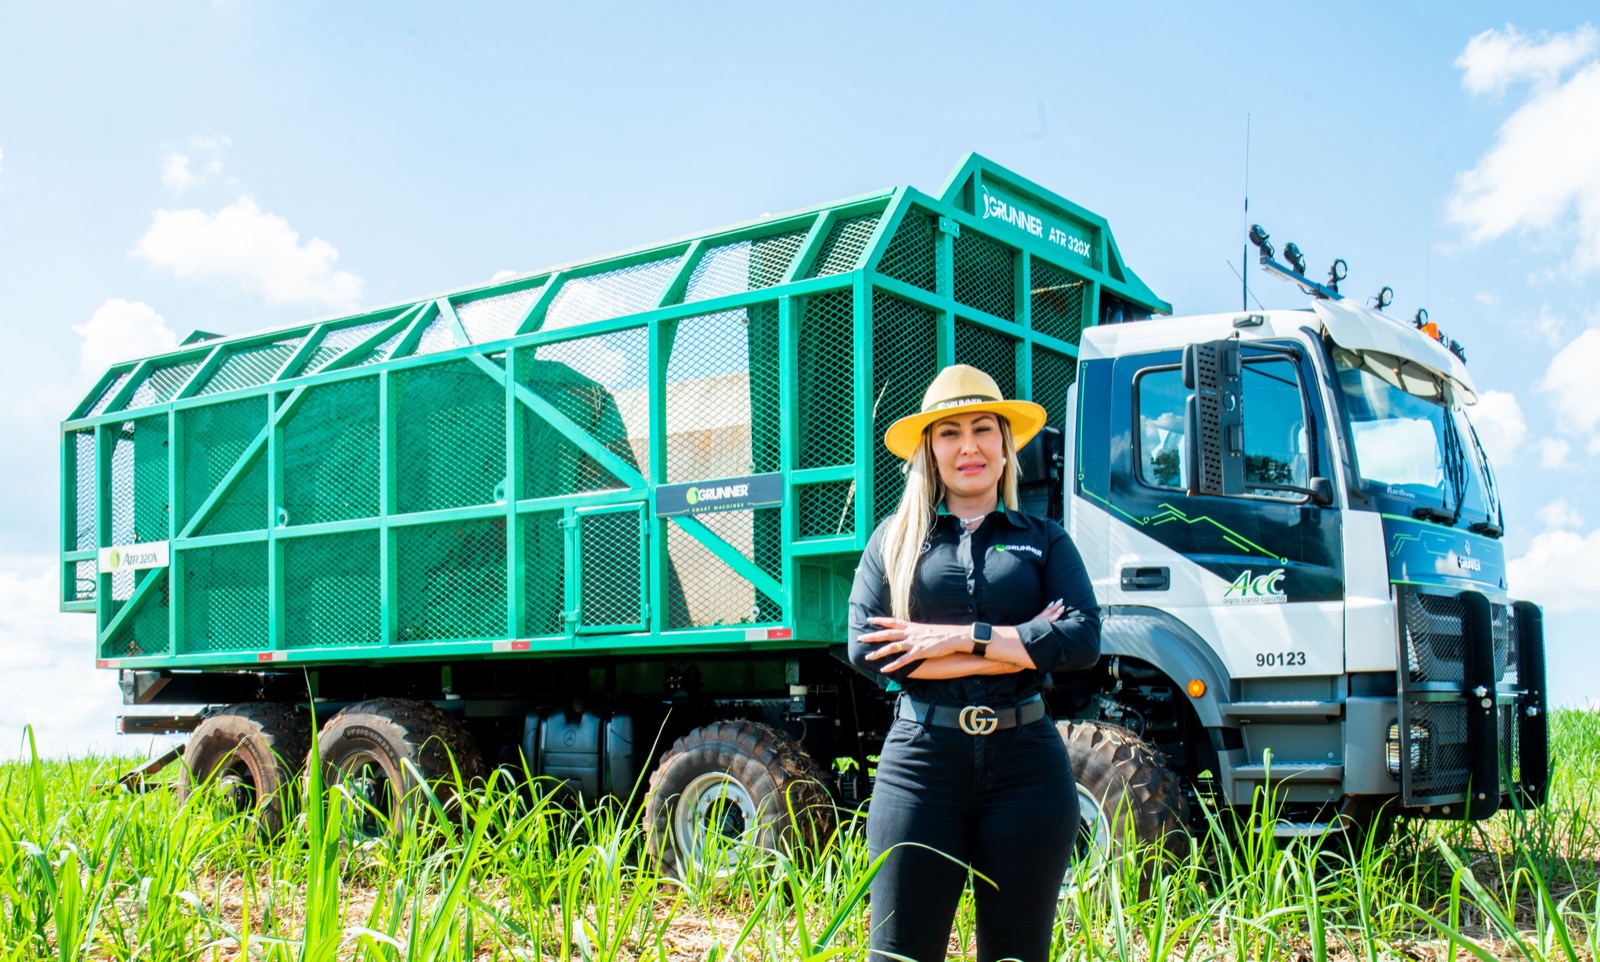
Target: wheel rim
362 776
1091 851
234 785
712 822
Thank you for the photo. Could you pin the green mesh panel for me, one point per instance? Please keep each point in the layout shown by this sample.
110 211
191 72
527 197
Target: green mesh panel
148 630
82 581
332 590
826 509
339 340
211 440
544 573
249 366
450 436
765 357
1058 300
162 382
615 293
103 401
225 598
494 318
713 401
904 359
599 383
330 454
824 362
755 533
841 249
705 591
138 492
985 275
1053 374
989 351
910 254
84 488
611 582
383 351
747 265
452 580
436 337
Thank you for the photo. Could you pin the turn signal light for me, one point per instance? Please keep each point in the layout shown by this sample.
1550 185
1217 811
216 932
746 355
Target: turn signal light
1197 688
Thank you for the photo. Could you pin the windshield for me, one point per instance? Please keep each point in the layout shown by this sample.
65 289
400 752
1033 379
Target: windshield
1412 442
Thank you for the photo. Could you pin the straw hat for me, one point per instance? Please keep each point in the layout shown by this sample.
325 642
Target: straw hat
962 389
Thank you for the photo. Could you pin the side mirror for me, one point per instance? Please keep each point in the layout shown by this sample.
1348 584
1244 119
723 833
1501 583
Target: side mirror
1321 491
1214 417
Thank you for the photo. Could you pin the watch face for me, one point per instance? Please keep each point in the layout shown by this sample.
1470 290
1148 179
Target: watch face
982 632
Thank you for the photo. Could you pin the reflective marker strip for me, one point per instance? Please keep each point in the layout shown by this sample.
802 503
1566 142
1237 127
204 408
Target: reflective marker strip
273 656
109 663
768 634
512 645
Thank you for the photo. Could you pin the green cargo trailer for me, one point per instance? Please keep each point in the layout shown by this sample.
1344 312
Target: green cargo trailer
588 494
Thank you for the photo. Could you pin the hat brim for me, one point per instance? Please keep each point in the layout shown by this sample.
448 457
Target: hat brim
1026 419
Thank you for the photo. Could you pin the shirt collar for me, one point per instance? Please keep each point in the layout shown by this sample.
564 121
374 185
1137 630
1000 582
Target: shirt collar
1013 518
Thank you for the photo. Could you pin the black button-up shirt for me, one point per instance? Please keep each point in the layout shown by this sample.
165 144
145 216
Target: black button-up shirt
1003 573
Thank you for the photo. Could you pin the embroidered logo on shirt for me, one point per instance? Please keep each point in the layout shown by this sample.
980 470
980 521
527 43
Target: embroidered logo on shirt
1030 549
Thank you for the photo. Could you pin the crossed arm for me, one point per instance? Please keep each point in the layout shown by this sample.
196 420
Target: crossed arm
946 650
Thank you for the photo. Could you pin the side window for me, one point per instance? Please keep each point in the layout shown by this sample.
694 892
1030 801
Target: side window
1276 446
1161 399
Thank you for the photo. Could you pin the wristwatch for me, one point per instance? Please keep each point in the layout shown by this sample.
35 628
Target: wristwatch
981 634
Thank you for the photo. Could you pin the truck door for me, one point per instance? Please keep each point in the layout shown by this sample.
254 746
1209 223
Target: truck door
1259 576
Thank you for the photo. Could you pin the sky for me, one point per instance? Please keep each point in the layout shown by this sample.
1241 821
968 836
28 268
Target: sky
238 165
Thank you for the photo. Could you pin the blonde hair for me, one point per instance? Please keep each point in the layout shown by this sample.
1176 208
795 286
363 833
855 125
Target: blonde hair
912 522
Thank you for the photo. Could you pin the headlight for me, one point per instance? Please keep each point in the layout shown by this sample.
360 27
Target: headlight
1421 753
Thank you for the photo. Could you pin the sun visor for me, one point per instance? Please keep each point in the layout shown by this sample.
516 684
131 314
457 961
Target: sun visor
1361 328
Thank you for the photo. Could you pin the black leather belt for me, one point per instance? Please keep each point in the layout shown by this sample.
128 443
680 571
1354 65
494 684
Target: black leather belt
972 719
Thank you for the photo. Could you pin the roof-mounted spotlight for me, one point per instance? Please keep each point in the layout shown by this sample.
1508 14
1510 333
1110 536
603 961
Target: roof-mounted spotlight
1458 350
1259 237
1338 272
1297 260
1385 297
1421 320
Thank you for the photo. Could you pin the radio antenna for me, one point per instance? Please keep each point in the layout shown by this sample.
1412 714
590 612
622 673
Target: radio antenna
1244 249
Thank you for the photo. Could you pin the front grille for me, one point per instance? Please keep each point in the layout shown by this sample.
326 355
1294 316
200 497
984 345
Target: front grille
1442 740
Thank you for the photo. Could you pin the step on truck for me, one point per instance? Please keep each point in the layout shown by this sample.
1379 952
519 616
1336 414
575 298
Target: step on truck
600 522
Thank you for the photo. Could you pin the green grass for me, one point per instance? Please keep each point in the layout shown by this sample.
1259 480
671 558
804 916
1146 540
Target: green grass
87 872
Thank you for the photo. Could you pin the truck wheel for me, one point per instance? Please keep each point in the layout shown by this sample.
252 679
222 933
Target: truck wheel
376 749
1126 793
729 786
248 755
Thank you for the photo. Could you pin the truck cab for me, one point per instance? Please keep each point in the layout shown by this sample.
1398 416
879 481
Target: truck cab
1305 587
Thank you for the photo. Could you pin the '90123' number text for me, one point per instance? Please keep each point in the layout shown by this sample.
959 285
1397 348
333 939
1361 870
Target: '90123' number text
1280 659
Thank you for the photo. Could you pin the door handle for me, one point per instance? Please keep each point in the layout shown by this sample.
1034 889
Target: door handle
1146 579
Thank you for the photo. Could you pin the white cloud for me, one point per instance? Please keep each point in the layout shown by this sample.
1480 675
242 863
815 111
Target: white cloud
1558 515
1553 453
1544 168
210 140
503 276
1558 571
256 250
1570 378
1493 59
1498 419
120 330
175 172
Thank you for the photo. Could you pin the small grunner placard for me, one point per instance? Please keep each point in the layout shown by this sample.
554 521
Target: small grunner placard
727 494
132 557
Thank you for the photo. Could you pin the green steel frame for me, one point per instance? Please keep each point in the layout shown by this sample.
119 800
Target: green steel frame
475 474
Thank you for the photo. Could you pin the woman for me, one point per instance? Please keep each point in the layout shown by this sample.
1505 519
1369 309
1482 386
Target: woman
968 605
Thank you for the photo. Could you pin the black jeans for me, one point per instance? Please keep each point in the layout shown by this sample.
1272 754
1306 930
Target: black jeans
1003 803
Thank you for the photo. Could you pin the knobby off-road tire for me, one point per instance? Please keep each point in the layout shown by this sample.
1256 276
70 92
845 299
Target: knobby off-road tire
249 755
1127 793
729 785
377 749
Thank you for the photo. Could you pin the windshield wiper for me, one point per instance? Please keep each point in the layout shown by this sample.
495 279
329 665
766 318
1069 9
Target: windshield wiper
1486 528
1455 464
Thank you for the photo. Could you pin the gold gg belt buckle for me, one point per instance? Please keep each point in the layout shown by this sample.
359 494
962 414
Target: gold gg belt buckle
978 719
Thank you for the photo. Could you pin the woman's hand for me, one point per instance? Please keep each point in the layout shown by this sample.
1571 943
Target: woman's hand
912 641
1053 611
